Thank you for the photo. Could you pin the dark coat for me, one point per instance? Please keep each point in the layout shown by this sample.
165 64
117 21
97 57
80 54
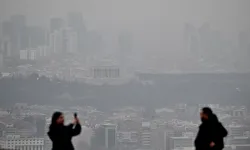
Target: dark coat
61 136
210 131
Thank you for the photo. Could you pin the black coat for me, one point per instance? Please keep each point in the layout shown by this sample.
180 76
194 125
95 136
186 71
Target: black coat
210 131
61 136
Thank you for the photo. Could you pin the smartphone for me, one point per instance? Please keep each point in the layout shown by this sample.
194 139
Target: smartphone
75 115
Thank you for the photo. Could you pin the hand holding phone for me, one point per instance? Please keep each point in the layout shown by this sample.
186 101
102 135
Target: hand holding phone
76 120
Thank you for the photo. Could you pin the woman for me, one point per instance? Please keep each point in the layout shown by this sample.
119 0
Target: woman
60 134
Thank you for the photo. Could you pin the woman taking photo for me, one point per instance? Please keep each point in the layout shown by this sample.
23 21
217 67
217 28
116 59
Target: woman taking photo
60 134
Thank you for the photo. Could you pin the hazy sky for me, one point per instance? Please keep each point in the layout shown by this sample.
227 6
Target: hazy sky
224 14
157 23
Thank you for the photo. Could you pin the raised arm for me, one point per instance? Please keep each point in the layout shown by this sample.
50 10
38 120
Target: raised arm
75 129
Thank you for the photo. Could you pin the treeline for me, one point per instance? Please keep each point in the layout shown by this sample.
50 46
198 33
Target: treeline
158 92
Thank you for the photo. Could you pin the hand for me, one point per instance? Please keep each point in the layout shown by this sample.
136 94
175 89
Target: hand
212 144
76 121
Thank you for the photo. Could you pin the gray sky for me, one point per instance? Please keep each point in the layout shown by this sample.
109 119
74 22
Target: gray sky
158 24
223 14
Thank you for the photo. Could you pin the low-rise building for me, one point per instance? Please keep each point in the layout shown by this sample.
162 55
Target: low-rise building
15 142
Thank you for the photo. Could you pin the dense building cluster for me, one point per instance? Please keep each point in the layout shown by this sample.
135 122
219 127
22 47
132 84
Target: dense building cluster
25 126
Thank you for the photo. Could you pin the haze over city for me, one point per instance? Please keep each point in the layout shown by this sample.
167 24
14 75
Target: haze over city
157 26
129 74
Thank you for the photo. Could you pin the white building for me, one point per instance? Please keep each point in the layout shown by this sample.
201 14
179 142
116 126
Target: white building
236 130
56 42
63 40
167 135
32 54
47 141
70 39
105 72
24 54
239 140
146 135
127 137
43 51
180 142
15 142
110 135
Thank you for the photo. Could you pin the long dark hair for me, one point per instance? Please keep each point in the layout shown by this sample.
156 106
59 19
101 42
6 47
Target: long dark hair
211 116
54 118
208 111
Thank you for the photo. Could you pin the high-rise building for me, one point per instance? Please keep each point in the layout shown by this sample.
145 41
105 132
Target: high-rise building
63 41
7 29
72 45
70 40
7 38
56 42
32 54
6 46
24 54
76 22
167 135
56 24
146 135
37 36
104 136
16 32
19 33
110 135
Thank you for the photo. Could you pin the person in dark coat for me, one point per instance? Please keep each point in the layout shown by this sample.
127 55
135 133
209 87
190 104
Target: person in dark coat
60 134
211 132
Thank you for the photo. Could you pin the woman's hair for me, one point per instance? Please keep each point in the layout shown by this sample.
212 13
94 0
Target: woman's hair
208 111
54 118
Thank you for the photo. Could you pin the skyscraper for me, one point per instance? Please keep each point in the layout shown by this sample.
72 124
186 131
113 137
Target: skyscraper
56 24
7 28
76 22
104 137
56 41
6 47
16 33
63 41
7 38
19 34
70 41
146 135
37 36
